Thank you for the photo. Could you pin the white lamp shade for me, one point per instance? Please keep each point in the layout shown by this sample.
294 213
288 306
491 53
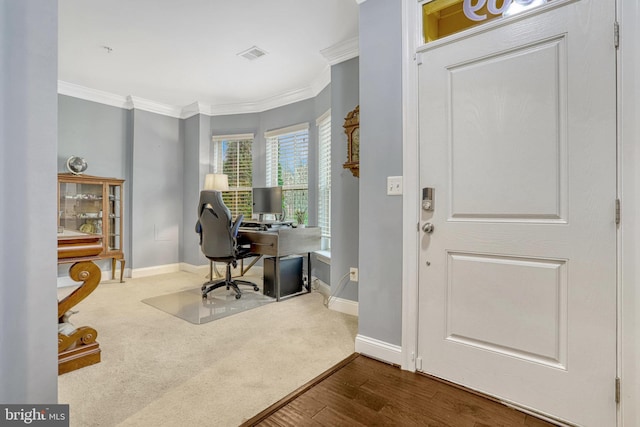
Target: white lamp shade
216 181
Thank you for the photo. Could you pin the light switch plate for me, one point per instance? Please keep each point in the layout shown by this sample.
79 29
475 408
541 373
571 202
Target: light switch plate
394 186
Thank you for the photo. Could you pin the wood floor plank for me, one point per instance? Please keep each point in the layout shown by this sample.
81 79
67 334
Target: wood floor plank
330 418
365 392
289 417
349 407
474 408
307 405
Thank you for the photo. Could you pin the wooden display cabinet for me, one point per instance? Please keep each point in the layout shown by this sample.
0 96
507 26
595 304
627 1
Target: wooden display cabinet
93 205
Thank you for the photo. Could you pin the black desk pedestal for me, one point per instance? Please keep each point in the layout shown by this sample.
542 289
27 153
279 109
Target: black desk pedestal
289 274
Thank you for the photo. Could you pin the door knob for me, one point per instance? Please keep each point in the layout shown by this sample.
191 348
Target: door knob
427 228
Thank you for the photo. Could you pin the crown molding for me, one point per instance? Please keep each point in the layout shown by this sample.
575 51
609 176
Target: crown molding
322 81
95 95
184 112
154 107
195 109
342 51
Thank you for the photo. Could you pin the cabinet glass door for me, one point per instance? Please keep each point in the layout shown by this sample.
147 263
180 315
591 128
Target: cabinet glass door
115 211
80 207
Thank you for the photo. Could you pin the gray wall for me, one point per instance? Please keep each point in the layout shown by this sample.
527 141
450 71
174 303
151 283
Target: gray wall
148 151
156 190
94 131
28 147
380 298
101 134
195 132
345 96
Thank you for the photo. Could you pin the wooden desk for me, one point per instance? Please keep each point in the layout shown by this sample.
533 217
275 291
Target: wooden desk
282 242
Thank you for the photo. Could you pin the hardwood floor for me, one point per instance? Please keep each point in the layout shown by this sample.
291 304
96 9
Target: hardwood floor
365 392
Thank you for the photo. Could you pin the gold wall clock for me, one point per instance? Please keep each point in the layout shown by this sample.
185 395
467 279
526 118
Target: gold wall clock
352 129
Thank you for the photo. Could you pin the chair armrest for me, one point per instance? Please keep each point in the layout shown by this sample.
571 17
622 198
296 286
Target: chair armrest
236 225
199 230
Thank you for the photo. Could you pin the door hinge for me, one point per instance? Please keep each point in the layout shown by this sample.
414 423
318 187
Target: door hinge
616 34
617 389
617 211
418 363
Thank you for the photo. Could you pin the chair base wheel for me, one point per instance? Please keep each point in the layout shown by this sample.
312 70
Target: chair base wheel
238 296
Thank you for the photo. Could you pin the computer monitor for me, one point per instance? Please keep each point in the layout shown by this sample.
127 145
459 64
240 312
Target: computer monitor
267 200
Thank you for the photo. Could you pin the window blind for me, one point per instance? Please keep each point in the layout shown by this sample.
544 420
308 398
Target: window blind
231 155
324 178
287 155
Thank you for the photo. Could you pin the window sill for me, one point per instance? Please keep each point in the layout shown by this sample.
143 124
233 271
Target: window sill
324 256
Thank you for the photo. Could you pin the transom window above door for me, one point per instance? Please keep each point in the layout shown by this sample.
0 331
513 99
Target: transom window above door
441 18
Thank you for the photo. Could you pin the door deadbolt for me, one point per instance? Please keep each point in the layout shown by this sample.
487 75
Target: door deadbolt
427 227
427 199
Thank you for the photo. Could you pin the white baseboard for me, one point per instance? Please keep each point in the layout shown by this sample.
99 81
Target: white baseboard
195 269
344 306
380 350
340 305
152 271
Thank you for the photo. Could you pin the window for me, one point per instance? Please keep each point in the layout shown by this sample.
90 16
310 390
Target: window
287 166
324 178
231 155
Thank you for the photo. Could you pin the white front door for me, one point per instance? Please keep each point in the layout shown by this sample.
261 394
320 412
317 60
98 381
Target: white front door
517 287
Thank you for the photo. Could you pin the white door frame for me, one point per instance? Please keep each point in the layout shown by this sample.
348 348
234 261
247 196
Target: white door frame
628 15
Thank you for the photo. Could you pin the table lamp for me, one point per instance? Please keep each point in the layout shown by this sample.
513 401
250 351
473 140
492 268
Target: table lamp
216 181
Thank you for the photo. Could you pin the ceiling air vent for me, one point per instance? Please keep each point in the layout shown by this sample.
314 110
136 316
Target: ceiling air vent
253 53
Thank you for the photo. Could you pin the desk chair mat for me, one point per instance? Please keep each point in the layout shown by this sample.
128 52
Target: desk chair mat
189 305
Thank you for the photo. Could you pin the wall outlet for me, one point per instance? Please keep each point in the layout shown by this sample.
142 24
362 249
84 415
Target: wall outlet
353 274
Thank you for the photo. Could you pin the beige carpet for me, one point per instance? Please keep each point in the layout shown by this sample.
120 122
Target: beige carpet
159 370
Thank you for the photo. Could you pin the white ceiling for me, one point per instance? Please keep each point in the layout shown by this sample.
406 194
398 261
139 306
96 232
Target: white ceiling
180 52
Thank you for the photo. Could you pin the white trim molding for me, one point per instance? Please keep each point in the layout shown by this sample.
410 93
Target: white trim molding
345 306
340 305
184 112
377 349
194 109
88 94
628 14
152 271
154 107
289 129
235 137
323 256
410 171
342 51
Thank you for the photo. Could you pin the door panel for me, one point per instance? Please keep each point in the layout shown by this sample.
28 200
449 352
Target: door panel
526 180
529 321
517 293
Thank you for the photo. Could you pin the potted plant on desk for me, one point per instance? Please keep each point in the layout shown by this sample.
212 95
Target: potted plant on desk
300 215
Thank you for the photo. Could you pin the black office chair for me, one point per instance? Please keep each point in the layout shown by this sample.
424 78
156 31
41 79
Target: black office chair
218 240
